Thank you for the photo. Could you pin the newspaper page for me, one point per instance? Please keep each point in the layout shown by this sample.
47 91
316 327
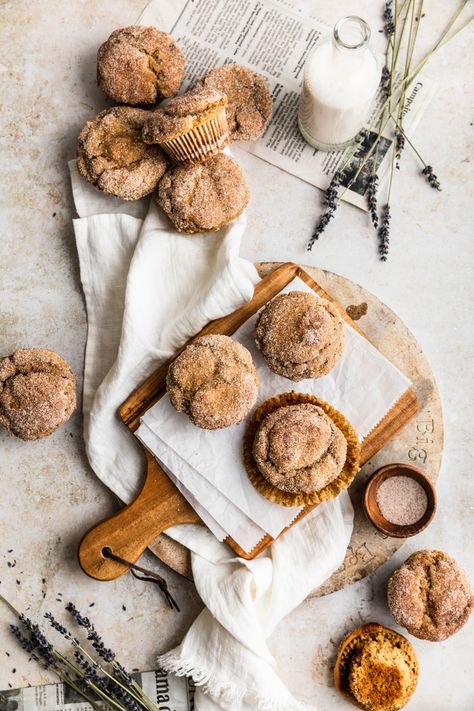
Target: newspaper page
274 39
169 692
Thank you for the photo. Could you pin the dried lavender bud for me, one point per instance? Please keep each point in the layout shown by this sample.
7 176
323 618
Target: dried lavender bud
389 23
330 199
93 636
431 177
61 629
25 643
80 620
385 80
399 146
372 189
384 233
39 643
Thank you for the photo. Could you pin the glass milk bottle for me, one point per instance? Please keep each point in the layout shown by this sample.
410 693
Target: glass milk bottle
341 77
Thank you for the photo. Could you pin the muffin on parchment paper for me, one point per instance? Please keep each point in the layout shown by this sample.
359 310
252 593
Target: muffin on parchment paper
376 669
249 101
37 393
430 595
203 197
112 156
213 381
299 450
190 128
139 65
300 335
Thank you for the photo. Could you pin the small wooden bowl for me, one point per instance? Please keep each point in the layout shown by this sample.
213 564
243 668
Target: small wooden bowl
373 512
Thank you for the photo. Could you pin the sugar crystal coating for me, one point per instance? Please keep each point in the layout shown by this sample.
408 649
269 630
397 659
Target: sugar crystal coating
250 103
298 448
430 595
37 393
112 156
139 65
300 335
213 381
203 197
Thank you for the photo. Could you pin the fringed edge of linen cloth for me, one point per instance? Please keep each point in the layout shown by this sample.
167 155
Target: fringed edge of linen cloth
227 694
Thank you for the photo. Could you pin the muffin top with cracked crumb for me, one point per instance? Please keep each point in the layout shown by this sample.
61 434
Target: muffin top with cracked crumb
112 156
249 101
376 668
37 393
139 65
180 114
203 197
298 448
300 335
430 595
213 381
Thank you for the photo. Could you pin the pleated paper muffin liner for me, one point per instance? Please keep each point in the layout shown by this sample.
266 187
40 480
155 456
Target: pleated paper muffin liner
331 490
208 138
353 644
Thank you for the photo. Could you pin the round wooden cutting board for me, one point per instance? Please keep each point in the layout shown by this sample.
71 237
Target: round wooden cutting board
420 442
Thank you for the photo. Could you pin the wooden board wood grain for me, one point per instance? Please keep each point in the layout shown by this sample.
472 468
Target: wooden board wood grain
160 505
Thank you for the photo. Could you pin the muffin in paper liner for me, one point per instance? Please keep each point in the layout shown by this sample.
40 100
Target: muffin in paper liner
349 653
205 139
331 490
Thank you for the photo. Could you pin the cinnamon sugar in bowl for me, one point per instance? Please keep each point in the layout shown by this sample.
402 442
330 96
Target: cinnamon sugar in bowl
399 500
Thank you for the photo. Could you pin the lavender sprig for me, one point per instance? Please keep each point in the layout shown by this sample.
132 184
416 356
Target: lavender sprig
372 190
385 80
399 146
93 636
331 202
384 233
389 22
431 177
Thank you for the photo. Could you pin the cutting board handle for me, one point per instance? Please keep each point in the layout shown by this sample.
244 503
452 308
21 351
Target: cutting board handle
158 506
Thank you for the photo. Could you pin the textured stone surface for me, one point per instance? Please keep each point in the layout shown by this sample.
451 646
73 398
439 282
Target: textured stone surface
50 496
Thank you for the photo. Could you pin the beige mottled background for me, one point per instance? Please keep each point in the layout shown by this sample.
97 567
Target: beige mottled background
49 496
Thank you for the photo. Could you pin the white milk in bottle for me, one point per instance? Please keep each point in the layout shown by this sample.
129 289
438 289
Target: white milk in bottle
341 76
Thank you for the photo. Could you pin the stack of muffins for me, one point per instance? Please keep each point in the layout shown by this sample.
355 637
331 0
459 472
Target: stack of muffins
176 149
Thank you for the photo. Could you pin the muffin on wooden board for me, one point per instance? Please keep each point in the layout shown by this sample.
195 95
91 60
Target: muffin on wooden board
376 669
298 450
249 101
113 158
37 393
139 65
300 335
213 381
203 197
190 128
430 595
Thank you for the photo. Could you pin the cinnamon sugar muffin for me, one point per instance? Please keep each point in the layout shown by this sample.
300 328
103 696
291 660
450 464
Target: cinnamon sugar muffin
249 101
139 65
213 381
203 197
190 128
300 335
112 156
298 448
37 393
376 669
430 595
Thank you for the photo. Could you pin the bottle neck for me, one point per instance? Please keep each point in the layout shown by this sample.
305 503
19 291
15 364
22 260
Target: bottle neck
351 34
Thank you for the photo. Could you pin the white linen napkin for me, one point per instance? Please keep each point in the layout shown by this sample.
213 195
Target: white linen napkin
148 289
